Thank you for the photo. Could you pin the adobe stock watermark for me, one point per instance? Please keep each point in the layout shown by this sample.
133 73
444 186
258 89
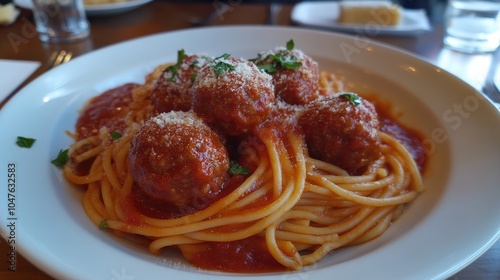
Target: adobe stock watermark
121 274
28 32
222 8
364 33
453 117
303 274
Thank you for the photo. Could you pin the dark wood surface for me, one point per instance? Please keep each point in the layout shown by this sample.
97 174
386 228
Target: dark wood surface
19 41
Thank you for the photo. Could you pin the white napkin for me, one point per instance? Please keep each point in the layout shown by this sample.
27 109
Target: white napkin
14 72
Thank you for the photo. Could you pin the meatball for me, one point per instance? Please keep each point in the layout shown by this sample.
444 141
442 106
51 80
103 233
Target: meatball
171 91
232 95
177 159
295 75
342 131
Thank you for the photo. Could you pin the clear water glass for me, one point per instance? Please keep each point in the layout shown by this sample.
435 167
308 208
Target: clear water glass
60 20
472 26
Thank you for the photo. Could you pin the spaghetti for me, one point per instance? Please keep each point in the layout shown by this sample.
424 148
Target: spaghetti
293 209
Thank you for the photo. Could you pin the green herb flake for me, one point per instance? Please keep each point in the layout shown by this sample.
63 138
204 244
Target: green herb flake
287 62
103 224
61 159
235 169
224 56
290 45
25 142
193 77
115 135
173 69
352 97
268 68
222 66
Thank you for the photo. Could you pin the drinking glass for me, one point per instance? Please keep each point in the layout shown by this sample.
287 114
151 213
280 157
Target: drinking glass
60 20
472 26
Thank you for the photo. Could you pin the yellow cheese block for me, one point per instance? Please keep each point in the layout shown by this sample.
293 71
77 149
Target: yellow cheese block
369 12
8 13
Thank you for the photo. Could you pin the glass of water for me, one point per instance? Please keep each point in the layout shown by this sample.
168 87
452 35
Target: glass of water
472 26
60 20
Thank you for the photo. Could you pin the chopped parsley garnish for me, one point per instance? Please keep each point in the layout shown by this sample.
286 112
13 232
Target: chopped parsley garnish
352 97
173 69
25 142
103 224
224 56
115 135
235 169
193 77
197 63
281 60
61 159
287 61
221 65
268 68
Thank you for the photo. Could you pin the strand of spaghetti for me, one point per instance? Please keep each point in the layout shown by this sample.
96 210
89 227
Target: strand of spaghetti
372 172
274 159
70 175
120 152
260 224
250 198
95 173
107 197
345 225
128 184
344 239
95 151
364 186
290 261
326 209
374 232
110 174
89 207
306 238
94 199
121 162
325 217
330 168
328 200
417 184
92 141
216 206
386 201
156 246
372 201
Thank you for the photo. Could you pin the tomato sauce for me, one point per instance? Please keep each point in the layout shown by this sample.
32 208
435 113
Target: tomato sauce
411 139
105 110
249 255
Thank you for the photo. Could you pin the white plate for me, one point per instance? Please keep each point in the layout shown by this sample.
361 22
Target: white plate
452 223
325 15
98 10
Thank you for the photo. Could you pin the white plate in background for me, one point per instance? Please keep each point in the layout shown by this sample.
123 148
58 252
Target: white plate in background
325 14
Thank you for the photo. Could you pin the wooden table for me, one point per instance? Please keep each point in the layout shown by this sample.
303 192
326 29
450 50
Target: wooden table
19 41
